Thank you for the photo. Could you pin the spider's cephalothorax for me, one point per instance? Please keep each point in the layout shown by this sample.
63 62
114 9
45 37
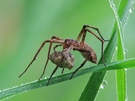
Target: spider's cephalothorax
68 42
86 51
64 58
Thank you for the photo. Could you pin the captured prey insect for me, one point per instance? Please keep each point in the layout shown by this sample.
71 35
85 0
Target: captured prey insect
68 61
64 58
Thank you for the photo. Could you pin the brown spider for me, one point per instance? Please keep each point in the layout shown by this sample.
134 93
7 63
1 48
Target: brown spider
64 58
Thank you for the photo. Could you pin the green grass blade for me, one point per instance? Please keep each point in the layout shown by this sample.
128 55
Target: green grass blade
121 85
129 63
91 90
109 51
120 74
96 79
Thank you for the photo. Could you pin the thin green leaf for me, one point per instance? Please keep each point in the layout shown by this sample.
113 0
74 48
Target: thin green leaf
130 63
91 90
121 85
120 74
93 85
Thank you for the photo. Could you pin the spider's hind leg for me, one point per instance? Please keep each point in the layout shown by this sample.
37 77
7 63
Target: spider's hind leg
78 68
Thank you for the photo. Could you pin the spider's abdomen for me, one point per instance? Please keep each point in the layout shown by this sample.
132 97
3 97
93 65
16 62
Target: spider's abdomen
90 55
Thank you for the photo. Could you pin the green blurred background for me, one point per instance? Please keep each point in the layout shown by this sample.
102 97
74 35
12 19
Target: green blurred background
25 24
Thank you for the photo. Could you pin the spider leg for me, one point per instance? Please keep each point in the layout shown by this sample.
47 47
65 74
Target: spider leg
102 41
87 26
34 57
55 37
83 34
62 70
54 41
56 47
65 53
56 53
55 70
102 46
81 50
46 61
57 40
97 31
78 68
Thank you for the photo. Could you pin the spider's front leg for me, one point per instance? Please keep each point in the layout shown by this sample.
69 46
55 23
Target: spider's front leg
42 45
54 39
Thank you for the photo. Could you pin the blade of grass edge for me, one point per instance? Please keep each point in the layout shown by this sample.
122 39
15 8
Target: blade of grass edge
91 90
64 77
121 75
10 92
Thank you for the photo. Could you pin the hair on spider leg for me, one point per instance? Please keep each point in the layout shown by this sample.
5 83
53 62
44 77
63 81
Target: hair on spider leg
63 58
